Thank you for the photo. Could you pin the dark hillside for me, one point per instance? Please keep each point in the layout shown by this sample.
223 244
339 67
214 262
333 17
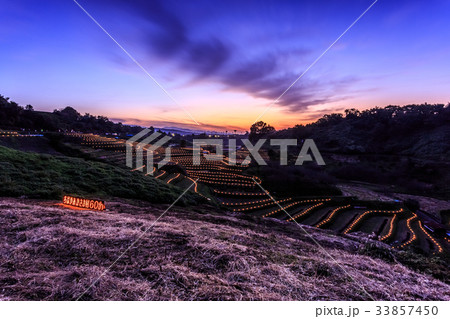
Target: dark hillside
411 130
46 176
406 149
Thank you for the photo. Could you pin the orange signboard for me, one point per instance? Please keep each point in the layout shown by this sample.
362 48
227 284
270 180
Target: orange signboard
84 203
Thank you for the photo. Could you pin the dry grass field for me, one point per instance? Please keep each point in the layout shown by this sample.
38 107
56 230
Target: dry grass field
51 252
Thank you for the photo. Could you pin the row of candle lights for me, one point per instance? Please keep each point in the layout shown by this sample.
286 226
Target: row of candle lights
391 229
333 212
430 237
246 203
280 209
173 178
243 209
222 178
161 174
296 203
357 220
306 211
238 193
413 234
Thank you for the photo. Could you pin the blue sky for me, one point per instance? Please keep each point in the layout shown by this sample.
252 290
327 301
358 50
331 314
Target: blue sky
224 61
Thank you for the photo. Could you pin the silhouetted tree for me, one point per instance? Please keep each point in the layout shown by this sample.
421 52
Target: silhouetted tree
259 129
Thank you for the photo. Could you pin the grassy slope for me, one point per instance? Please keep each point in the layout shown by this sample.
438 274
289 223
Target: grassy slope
35 144
45 176
53 253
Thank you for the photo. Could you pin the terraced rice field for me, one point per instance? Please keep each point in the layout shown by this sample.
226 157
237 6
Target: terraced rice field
229 186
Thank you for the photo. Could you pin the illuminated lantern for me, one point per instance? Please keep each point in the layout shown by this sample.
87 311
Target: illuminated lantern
84 203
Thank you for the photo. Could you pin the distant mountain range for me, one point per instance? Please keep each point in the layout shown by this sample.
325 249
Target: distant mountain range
181 131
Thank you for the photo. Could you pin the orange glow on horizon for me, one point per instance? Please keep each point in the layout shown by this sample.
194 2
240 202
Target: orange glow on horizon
279 121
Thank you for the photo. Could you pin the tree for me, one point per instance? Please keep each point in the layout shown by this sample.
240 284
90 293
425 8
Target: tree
259 129
352 113
69 113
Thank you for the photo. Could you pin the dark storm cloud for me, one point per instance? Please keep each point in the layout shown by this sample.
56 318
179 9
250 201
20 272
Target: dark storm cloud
257 79
171 35
310 93
169 39
206 57
245 74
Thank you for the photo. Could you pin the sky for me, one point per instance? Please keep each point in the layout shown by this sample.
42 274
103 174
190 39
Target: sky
223 63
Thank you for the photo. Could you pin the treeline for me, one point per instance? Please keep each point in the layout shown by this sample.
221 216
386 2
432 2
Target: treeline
405 130
396 119
16 117
405 148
